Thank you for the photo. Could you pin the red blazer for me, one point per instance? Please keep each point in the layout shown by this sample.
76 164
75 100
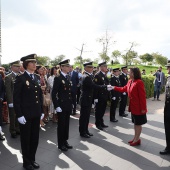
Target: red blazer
137 96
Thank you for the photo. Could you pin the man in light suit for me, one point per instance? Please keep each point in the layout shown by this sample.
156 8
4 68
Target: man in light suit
159 82
9 86
74 80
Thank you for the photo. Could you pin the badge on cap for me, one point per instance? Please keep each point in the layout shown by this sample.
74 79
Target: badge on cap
27 83
63 81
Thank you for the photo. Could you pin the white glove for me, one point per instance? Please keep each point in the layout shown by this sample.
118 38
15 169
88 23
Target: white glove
58 109
114 98
10 105
22 120
124 93
109 87
42 116
95 100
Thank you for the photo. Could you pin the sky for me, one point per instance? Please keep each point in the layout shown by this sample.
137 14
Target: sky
60 27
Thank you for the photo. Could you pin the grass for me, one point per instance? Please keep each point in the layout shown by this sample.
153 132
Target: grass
148 69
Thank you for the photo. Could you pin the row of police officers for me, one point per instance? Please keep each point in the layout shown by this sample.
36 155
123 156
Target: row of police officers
28 104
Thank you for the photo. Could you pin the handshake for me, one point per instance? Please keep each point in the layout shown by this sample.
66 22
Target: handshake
109 87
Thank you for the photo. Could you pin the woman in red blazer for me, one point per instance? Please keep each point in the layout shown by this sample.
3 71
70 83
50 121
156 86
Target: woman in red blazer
137 102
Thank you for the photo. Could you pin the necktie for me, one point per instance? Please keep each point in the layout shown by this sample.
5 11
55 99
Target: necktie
31 75
67 77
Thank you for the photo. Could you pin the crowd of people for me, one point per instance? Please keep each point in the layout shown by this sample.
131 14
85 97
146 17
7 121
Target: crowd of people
31 95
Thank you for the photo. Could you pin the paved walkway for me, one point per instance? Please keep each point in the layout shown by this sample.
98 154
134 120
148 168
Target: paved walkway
106 150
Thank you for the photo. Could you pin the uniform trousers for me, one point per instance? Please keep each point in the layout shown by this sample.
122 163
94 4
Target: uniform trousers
100 111
167 130
84 119
14 125
63 127
113 109
123 103
73 96
29 134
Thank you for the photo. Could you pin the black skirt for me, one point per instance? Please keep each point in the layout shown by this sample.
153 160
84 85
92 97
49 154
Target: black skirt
139 119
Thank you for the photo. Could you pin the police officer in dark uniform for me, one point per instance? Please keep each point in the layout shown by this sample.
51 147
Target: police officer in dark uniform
101 95
123 100
115 95
28 105
166 151
86 98
61 96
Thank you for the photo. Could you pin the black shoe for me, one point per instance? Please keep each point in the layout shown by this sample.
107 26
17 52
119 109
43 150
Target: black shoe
67 145
13 135
28 167
2 137
123 115
114 120
165 152
85 135
63 148
90 134
99 127
104 126
158 100
35 165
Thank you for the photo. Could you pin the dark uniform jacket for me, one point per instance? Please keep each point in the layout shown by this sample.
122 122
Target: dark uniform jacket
61 93
114 81
123 79
167 97
87 89
27 96
101 94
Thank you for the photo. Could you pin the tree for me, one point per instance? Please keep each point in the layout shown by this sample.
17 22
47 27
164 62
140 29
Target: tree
78 59
104 57
127 57
146 58
57 60
106 42
159 58
130 55
116 54
43 60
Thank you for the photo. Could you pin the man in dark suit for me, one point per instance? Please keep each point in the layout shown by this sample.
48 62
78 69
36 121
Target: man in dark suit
9 86
115 95
123 99
86 99
2 91
166 151
61 96
74 80
28 106
159 82
101 95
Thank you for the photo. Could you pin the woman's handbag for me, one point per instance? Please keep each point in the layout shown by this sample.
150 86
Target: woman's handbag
46 99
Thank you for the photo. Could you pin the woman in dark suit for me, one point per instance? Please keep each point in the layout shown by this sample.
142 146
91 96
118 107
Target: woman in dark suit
28 105
137 102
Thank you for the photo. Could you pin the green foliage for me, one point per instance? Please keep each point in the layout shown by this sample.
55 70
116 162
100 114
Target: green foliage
130 55
160 59
57 60
104 57
146 58
6 66
115 55
43 60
